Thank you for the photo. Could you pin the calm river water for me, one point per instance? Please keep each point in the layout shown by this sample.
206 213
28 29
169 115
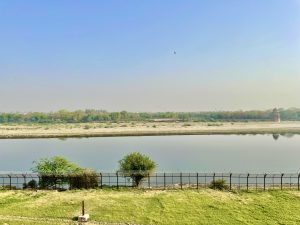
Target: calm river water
191 153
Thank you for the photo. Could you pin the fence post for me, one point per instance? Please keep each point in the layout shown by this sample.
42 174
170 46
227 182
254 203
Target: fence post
197 181
55 179
230 177
39 180
214 177
118 180
149 186
83 211
181 180
9 182
164 180
247 181
265 175
85 180
298 181
24 176
281 181
256 182
101 181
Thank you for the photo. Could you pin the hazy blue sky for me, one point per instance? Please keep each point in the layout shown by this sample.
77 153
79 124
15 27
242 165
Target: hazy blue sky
117 55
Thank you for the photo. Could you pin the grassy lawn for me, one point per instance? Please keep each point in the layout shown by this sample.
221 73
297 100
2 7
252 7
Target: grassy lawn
152 207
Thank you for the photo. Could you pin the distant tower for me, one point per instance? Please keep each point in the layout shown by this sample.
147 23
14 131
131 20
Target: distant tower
276 115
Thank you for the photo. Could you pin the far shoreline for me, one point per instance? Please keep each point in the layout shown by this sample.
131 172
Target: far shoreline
85 130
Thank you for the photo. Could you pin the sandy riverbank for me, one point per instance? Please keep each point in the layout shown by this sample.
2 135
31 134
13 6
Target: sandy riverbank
141 129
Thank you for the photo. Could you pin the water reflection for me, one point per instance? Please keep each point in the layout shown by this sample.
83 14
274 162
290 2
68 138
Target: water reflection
286 135
275 137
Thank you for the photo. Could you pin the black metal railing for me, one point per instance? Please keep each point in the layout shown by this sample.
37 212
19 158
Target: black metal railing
237 181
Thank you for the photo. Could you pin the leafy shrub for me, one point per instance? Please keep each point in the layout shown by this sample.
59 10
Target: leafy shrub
31 184
84 179
137 166
52 181
54 171
219 184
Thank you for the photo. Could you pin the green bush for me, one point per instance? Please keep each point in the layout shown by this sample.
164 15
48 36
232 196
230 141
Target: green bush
54 171
219 184
84 179
137 166
52 181
31 184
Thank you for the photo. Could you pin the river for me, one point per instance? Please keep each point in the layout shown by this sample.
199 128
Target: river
186 153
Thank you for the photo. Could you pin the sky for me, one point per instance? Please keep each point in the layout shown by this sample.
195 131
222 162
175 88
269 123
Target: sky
120 55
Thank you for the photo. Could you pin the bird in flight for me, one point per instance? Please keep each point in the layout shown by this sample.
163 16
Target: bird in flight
174 52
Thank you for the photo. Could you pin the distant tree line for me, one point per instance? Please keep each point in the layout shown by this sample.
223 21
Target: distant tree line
80 116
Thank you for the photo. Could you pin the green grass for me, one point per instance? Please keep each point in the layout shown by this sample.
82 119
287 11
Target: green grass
153 207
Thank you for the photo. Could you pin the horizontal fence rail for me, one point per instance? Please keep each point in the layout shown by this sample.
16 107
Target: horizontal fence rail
237 181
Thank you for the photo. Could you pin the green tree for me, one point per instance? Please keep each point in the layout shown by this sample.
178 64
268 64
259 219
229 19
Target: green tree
137 166
54 171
